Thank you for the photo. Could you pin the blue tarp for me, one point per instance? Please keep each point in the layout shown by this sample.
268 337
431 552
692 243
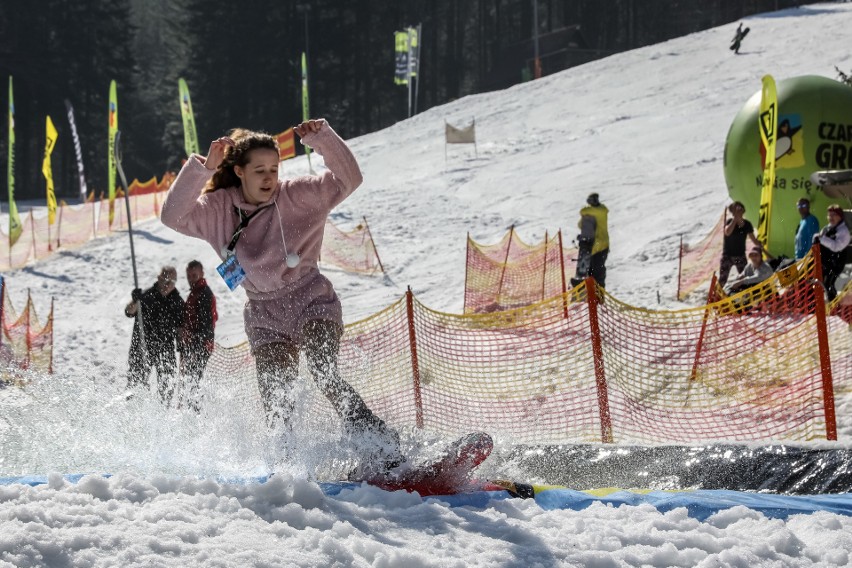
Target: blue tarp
700 504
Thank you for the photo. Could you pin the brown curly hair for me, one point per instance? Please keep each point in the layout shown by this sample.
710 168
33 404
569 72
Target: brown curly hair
238 155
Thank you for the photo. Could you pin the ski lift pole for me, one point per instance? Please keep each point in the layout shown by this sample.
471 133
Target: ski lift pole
126 189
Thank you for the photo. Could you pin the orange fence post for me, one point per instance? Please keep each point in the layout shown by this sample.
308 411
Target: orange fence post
597 353
32 229
564 282
679 266
825 363
375 249
544 269
466 273
415 367
710 295
505 261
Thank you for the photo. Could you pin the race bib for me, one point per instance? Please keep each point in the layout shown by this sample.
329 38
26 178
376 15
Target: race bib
231 272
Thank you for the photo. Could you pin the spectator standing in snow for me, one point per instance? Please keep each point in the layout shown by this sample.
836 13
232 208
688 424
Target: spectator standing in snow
268 233
833 240
755 272
154 332
593 224
197 331
808 227
737 229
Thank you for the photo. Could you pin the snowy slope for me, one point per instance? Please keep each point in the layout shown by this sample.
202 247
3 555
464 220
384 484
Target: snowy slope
645 129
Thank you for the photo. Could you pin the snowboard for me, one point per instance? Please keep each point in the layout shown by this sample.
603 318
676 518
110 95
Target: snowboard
446 475
738 38
584 261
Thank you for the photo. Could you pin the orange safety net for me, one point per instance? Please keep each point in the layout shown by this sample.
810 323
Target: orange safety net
75 225
354 250
585 367
840 338
25 343
511 273
698 262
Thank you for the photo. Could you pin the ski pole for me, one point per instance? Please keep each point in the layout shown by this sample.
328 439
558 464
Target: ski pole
126 204
124 186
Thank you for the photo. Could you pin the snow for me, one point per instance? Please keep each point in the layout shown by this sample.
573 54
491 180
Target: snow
645 129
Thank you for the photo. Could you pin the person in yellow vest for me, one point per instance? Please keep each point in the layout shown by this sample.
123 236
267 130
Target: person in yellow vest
593 224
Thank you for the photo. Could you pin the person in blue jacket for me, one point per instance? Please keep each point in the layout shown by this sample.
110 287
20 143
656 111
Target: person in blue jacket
808 227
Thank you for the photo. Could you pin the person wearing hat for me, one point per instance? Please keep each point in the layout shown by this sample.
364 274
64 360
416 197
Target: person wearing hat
808 228
737 229
593 225
755 272
833 240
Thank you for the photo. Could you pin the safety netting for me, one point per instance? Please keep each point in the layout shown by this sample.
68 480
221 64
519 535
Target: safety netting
698 262
840 339
26 343
585 367
354 251
73 226
512 273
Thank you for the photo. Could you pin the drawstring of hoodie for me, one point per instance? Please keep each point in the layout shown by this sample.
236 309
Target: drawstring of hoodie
292 259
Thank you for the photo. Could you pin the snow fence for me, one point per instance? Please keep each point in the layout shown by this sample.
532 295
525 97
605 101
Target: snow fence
585 367
25 344
512 273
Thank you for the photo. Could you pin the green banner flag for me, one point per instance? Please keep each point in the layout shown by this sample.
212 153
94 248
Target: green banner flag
113 128
190 138
47 170
306 112
15 227
401 58
768 124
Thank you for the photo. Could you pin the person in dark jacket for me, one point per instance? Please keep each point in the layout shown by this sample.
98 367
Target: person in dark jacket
833 240
196 333
155 332
737 229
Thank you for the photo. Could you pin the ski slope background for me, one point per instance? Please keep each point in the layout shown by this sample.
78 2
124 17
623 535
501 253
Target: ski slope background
645 129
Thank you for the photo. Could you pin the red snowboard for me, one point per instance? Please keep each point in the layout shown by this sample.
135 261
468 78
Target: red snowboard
447 475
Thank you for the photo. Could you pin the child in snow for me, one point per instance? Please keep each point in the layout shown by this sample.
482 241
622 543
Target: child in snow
269 234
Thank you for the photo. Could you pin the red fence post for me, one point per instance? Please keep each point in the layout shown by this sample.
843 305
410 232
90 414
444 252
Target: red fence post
679 266
415 367
825 363
564 282
466 272
375 250
505 261
710 295
597 353
544 269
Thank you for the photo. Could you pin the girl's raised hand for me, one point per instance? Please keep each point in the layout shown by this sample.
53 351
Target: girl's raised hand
217 152
308 127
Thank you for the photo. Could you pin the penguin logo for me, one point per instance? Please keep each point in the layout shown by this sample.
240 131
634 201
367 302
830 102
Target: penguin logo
784 143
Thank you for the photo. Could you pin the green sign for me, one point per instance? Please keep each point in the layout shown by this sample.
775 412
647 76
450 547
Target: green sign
814 132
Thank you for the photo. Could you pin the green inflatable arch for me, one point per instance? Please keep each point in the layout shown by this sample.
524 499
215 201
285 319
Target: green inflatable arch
814 133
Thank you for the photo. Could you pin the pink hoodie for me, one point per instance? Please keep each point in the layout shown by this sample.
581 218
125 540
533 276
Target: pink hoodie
304 204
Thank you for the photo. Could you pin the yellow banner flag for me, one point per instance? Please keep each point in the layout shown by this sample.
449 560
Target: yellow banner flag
47 170
768 124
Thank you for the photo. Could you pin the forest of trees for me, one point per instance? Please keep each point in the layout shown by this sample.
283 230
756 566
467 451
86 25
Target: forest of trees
242 63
